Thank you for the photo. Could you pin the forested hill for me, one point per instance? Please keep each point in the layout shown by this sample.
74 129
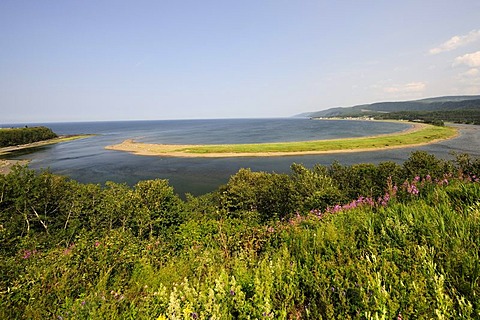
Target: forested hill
450 103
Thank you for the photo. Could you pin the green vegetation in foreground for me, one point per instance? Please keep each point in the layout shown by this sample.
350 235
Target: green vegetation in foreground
339 242
426 134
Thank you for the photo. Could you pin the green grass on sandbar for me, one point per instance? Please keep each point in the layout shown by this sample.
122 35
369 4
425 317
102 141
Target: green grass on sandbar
425 135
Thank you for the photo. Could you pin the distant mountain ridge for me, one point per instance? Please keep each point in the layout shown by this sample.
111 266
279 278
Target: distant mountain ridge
447 103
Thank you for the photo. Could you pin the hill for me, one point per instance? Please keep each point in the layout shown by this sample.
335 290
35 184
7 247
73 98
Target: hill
458 105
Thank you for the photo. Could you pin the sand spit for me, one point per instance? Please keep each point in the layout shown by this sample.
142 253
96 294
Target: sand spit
185 151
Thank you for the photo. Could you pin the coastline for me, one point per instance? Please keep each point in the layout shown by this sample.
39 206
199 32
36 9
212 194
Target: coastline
318 147
7 150
6 165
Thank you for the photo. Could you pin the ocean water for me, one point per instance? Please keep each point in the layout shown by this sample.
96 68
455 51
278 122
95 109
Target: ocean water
87 161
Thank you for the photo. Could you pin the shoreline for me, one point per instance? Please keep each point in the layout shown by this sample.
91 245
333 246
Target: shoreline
6 165
323 146
7 150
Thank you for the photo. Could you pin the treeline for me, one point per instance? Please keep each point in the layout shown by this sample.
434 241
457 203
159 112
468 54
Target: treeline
435 117
17 136
360 241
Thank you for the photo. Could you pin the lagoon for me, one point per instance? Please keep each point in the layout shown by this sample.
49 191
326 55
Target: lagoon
87 161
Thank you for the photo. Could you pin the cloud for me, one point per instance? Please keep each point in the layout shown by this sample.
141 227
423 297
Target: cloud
412 87
472 73
456 42
470 59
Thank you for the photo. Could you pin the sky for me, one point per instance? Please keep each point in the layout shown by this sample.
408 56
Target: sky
91 60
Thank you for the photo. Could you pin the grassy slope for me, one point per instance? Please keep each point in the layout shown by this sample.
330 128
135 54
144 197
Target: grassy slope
418 258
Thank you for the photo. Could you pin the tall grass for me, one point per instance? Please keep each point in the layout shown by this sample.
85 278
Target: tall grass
415 257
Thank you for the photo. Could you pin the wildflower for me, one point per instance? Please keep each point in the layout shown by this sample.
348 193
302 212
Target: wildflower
411 188
69 249
369 201
28 253
232 293
194 315
83 303
97 243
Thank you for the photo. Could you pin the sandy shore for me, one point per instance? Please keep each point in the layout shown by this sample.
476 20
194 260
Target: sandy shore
6 165
167 150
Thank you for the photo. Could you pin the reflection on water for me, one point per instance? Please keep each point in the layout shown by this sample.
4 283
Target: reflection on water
87 161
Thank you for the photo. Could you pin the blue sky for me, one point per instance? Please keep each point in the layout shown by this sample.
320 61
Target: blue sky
124 60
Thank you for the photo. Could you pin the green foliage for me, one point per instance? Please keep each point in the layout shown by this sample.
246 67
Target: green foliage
421 164
157 207
467 116
253 249
17 136
266 193
365 179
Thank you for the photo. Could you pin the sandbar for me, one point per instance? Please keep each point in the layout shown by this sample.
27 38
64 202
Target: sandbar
418 134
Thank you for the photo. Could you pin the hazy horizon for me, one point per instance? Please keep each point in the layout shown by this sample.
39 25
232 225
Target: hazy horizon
118 61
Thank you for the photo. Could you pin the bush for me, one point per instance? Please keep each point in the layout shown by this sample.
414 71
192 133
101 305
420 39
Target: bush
76 251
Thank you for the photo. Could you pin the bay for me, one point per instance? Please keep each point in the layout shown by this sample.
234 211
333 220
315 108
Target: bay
87 161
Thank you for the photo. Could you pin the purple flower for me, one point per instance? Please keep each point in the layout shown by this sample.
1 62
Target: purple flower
232 293
28 253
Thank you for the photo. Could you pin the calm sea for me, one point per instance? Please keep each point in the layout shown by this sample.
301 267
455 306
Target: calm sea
87 161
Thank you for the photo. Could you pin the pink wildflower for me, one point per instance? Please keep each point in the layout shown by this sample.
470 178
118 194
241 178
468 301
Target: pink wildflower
28 253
